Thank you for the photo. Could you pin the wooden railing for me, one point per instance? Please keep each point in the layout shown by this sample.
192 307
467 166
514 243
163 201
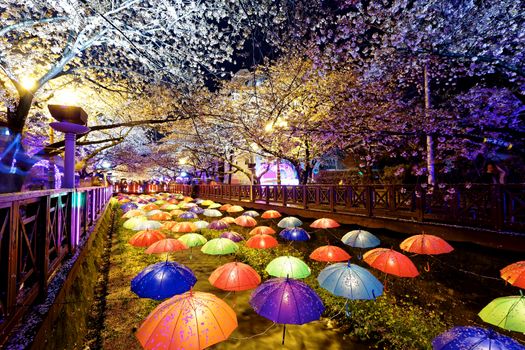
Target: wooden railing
38 231
494 207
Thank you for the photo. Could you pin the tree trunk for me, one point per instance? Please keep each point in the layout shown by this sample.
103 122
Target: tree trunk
278 170
431 178
16 119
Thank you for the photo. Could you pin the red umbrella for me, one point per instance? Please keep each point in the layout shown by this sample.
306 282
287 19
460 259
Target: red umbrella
262 242
235 277
324 223
515 274
245 221
426 244
166 245
391 262
262 230
271 214
330 253
146 238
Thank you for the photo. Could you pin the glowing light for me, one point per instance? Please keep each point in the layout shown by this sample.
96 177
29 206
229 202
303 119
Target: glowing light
67 96
27 83
106 164
183 161
268 127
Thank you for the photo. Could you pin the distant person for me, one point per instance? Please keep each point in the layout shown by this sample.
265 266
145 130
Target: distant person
494 174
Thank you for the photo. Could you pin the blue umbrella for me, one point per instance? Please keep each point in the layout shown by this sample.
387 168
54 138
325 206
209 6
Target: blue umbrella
474 338
360 239
188 215
251 213
295 234
289 222
350 281
196 210
163 280
128 206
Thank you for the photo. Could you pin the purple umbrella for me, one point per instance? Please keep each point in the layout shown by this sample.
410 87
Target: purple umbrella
196 210
128 206
234 236
188 215
218 225
287 301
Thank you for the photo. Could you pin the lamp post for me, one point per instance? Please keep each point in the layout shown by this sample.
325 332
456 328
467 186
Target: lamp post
71 121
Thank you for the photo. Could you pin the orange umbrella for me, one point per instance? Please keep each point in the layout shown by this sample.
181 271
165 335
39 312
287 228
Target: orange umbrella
146 238
176 212
132 213
329 253
168 225
426 244
160 217
150 206
173 201
391 262
262 242
193 320
271 214
324 223
264 230
515 274
184 227
225 207
235 277
245 221
228 219
187 199
235 209
166 245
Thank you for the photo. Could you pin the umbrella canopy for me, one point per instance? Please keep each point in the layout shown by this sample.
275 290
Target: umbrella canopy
161 217
287 301
235 277
271 214
146 225
360 239
163 280
168 225
474 338
187 199
169 207
166 245
262 242
329 253
515 274
262 230
228 219
506 312
295 234
196 210
184 227
133 213
426 244
176 212
233 236
153 212
245 221
251 213
219 246
150 206
206 203
289 222
391 262
235 209
225 207
324 223
212 213
128 206
350 281
188 215
146 238
193 239
191 321
218 225
288 266
214 206
201 224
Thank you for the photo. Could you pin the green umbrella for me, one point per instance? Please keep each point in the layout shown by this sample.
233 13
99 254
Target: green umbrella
130 223
214 206
193 239
171 207
219 246
288 266
160 202
506 312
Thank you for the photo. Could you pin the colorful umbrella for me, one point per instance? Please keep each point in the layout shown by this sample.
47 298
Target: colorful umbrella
262 242
201 224
391 262
245 221
289 222
212 213
133 213
219 246
130 223
324 223
233 236
193 239
329 253
166 245
154 212
295 234
187 199
251 213
228 219
271 214
218 225
506 312
235 209
288 266
474 338
196 210
214 206
262 230
184 227
147 225
235 277
225 207
426 244
176 212
168 225
191 321
161 217
150 206
169 207
515 274
146 238
207 203
360 239
128 206
287 301
188 215
163 280
350 281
